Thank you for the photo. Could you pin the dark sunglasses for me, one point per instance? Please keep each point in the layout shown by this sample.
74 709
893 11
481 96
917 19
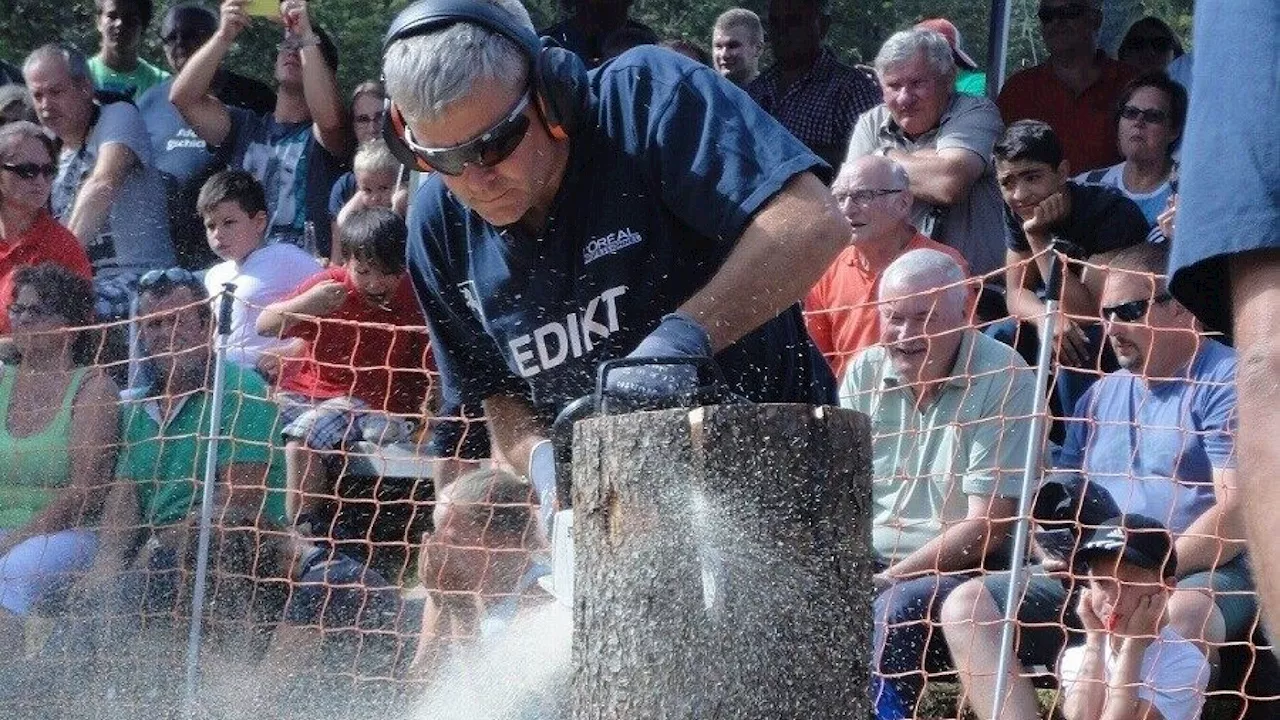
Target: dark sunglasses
1158 43
485 150
1065 12
28 171
1134 310
174 276
1148 115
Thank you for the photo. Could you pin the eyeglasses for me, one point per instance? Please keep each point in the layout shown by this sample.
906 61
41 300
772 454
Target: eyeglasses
29 171
174 276
1075 11
862 197
1157 43
485 150
370 118
1151 116
34 311
1134 310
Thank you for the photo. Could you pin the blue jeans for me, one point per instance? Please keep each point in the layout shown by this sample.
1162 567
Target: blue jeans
908 642
1069 383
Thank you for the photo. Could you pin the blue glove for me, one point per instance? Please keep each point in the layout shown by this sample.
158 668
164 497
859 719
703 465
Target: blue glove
678 336
542 475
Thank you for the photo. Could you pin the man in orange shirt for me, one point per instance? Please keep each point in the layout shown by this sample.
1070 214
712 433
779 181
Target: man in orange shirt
840 310
1076 89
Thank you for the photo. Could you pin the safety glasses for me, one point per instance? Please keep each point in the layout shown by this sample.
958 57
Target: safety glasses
29 171
1134 310
1151 116
485 150
174 276
1074 11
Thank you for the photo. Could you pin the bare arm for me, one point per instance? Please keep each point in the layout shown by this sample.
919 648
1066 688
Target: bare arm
1021 278
1217 536
1087 694
317 301
100 190
94 439
246 484
1122 701
785 248
940 177
514 428
961 546
190 92
328 113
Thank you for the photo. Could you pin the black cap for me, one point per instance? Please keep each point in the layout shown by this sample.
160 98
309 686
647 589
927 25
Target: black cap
1140 540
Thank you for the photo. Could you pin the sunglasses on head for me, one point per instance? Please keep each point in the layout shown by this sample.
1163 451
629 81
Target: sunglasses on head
174 276
1134 310
1149 115
1158 43
1065 12
28 171
485 150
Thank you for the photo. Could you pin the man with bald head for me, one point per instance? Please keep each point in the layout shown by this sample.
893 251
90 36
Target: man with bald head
874 194
950 411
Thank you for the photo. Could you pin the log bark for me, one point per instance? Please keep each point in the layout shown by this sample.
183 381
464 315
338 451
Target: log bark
723 564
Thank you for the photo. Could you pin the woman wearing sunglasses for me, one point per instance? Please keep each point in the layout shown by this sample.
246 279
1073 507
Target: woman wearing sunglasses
1149 121
28 233
58 433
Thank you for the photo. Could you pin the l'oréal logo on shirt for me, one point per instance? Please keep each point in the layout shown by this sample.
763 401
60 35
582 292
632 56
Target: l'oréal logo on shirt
610 244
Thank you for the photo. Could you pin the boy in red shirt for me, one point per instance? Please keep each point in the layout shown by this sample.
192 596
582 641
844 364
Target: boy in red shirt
365 363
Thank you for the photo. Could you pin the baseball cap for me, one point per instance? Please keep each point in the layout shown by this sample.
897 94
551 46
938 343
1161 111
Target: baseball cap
1140 540
946 29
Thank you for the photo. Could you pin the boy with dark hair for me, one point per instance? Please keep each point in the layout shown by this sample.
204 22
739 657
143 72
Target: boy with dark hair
1042 205
1133 664
366 358
234 209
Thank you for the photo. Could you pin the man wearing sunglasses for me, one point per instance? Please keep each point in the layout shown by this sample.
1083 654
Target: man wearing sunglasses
1075 88
1159 436
676 220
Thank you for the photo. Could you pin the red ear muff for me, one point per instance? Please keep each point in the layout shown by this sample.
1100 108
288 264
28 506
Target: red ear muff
393 130
554 129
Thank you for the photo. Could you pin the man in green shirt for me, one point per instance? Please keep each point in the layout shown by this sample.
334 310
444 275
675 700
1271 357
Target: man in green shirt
117 68
950 413
166 434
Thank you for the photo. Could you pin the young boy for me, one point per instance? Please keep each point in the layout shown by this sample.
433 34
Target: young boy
366 361
234 208
1133 664
375 170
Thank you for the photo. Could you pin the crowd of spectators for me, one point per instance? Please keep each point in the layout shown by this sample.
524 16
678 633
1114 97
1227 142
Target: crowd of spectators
131 195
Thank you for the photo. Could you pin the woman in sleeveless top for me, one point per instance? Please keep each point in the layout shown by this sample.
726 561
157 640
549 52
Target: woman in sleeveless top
58 431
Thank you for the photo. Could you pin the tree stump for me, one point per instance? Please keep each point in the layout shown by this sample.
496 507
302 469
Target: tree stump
723 564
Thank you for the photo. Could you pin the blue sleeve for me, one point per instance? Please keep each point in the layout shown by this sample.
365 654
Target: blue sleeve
122 123
1214 418
467 357
340 193
716 155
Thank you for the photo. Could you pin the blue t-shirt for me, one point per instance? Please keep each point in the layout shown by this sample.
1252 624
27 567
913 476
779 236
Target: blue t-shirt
664 174
341 192
293 167
185 162
1154 446
1102 219
1229 200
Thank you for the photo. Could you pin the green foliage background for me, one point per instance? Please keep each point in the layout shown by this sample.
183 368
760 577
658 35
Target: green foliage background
357 25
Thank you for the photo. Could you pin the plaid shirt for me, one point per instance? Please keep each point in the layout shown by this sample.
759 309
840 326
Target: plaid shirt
821 107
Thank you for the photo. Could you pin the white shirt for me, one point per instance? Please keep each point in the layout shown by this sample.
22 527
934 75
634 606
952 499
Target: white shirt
1173 677
266 275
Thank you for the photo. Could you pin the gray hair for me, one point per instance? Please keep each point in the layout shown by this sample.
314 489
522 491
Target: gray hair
904 45
898 176
74 60
743 18
924 270
15 104
425 74
13 133
375 156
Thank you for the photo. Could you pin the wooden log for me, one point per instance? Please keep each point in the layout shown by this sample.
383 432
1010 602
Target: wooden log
723 564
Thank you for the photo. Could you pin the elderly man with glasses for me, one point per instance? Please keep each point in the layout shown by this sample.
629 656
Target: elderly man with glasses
1075 89
655 211
1159 436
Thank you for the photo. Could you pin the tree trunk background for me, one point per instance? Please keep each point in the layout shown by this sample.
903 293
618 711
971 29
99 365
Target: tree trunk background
723 564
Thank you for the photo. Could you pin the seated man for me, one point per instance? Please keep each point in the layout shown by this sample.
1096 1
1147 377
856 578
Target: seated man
166 435
840 310
1158 436
949 411
1044 205
478 565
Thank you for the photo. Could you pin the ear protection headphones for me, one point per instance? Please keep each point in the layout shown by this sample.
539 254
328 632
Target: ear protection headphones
557 78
